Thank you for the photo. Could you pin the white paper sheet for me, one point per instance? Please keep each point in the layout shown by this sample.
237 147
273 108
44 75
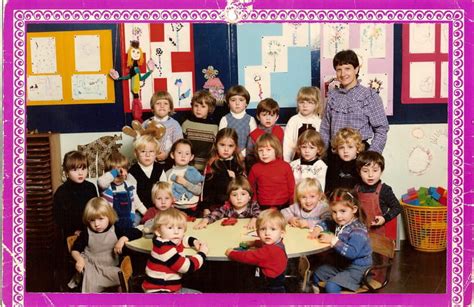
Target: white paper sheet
45 88
373 39
274 53
140 32
160 53
444 38
422 38
178 36
315 35
444 80
87 53
335 38
422 79
88 87
378 82
43 55
296 34
180 86
257 82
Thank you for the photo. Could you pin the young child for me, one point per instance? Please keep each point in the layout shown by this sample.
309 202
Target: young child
271 178
163 199
185 179
342 172
146 171
166 263
162 105
269 255
95 250
347 234
237 97
307 117
225 164
199 128
309 165
310 206
240 205
267 114
376 198
71 197
354 105
119 189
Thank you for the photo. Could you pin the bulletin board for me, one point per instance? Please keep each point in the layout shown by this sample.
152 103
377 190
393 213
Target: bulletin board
425 63
171 46
69 67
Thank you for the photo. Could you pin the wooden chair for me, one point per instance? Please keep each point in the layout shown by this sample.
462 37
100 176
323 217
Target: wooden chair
125 274
304 273
70 242
377 276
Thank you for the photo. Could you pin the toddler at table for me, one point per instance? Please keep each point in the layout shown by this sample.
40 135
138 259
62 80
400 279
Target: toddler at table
239 205
269 253
163 199
166 263
310 205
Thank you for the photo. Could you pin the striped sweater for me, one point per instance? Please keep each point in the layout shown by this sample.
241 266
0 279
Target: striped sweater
167 264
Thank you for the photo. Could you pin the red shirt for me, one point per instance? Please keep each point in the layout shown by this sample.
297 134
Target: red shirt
276 131
273 183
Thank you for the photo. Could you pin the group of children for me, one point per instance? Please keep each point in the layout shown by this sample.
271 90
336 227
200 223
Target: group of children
242 170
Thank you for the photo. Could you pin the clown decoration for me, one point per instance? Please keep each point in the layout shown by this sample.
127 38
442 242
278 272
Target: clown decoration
135 59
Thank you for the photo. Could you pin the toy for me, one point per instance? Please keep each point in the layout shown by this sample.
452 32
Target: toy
192 175
229 221
431 197
155 129
242 246
214 84
135 59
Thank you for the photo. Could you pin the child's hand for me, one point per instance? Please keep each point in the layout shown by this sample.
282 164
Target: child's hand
197 244
161 156
231 173
203 248
202 224
77 232
119 245
80 264
206 212
326 237
181 180
252 224
302 223
227 251
315 233
293 221
378 221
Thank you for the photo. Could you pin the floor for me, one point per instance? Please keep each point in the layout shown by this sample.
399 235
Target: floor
413 272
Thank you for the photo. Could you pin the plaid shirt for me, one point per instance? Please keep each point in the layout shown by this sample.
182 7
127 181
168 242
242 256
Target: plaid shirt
226 210
359 108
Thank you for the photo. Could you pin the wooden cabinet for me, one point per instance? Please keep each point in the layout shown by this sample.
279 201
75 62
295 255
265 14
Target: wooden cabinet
43 176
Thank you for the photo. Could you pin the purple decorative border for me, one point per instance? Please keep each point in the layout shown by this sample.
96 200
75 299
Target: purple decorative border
14 262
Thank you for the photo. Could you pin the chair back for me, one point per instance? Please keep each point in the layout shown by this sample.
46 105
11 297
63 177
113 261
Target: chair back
125 273
70 242
303 270
382 245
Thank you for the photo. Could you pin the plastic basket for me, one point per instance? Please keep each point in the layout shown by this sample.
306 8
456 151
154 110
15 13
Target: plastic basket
426 227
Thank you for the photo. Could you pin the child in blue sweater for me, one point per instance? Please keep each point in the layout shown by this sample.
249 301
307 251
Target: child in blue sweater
348 237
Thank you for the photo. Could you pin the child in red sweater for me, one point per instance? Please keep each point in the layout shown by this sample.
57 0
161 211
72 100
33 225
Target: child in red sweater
271 178
269 255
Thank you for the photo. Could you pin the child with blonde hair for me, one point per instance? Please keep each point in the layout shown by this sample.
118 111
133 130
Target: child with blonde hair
269 255
342 172
238 98
118 188
310 205
310 164
96 249
271 178
309 109
161 103
166 263
347 235
239 205
146 170
162 197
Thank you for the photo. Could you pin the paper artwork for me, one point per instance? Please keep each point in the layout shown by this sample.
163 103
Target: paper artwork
422 38
88 87
372 39
45 88
296 34
87 52
444 80
315 36
422 79
43 55
335 38
444 38
177 36
362 56
274 53
162 57
257 82
419 160
180 87
138 32
330 83
378 82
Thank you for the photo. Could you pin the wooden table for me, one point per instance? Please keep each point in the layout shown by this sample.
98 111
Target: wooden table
219 238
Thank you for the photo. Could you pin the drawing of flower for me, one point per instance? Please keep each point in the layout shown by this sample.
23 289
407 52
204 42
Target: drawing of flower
337 37
274 50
